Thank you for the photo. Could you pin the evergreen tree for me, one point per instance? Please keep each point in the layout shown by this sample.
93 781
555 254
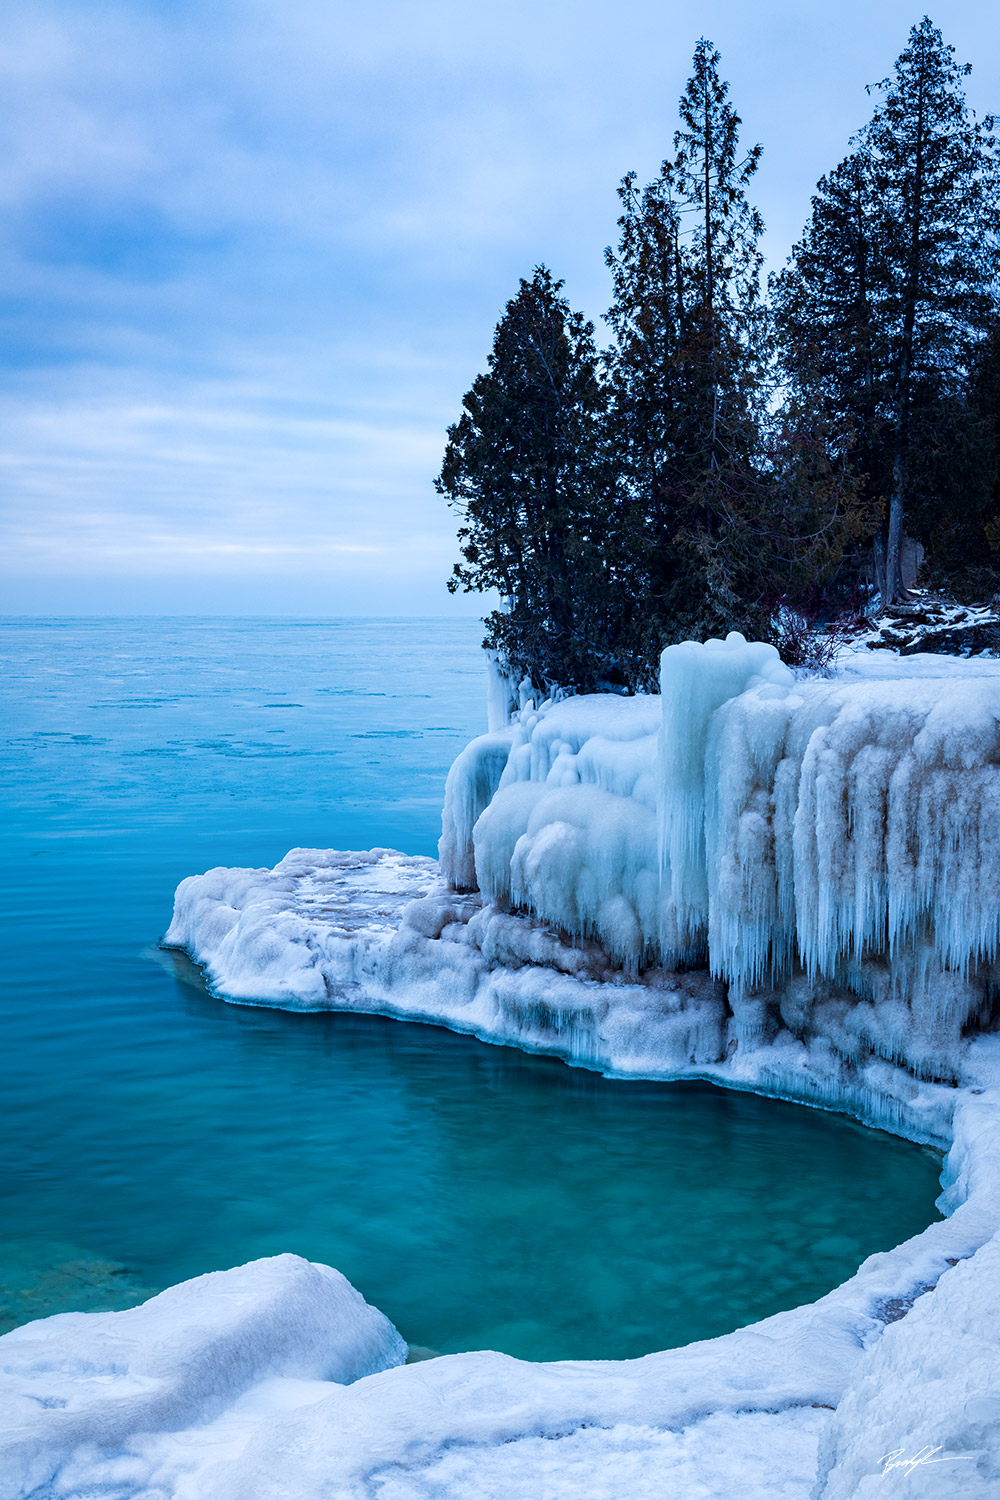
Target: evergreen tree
828 304
524 468
888 294
953 496
645 403
934 170
686 370
719 265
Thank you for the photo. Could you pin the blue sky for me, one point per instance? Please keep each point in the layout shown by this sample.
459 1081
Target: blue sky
253 252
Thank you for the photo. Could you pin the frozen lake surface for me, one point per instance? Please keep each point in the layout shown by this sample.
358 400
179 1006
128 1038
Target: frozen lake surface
479 1197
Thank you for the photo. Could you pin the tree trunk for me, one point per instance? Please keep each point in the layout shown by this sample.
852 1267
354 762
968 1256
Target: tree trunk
894 591
878 567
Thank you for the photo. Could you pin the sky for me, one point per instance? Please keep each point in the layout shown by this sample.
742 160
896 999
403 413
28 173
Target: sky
252 253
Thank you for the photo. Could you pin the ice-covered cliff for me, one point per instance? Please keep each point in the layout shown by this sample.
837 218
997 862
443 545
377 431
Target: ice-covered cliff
829 848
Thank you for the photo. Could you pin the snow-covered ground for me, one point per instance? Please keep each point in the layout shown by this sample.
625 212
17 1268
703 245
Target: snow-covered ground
928 622
778 883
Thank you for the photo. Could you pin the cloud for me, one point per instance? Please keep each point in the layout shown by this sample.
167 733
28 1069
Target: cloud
252 253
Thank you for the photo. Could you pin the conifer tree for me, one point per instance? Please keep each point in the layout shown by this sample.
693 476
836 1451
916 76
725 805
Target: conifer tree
524 468
686 372
953 495
720 262
644 414
888 294
828 304
934 170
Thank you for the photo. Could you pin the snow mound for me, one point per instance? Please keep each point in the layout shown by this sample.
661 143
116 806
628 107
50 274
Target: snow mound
101 1403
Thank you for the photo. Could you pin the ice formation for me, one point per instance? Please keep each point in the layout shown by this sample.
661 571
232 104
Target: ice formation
780 883
785 883
827 846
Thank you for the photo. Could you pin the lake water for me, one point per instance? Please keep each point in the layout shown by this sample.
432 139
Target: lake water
480 1197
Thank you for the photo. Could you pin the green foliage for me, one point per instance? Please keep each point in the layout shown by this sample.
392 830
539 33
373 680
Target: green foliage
524 467
832 351
684 373
888 296
935 173
727 462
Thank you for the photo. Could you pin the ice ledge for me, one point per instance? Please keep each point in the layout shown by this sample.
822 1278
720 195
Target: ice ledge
381 932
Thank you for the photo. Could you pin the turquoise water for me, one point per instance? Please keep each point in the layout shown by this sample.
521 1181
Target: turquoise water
480 1197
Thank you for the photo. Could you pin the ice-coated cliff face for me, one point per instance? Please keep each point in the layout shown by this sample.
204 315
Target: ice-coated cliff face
830 847
570 830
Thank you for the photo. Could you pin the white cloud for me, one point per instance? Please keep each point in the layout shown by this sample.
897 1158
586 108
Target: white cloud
253 253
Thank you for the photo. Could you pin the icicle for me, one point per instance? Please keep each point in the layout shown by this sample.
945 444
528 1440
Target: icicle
695 680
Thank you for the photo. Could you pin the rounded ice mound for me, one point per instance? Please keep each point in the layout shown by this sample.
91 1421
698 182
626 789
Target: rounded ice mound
78 1388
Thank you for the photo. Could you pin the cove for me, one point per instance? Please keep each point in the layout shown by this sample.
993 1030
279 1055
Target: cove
480 1197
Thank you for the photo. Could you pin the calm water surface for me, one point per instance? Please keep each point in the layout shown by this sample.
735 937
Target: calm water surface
480 1197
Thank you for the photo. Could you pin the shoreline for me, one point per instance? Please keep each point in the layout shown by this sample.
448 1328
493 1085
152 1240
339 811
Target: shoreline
810 1357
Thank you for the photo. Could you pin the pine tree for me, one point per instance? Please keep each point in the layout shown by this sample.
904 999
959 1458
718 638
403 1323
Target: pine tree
934 170
686 371
645 404
953 497
525 470
828 303
720 262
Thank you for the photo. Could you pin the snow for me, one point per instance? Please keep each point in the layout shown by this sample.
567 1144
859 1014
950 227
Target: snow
126 1399
929 1391
766 1454
927 622
776 882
